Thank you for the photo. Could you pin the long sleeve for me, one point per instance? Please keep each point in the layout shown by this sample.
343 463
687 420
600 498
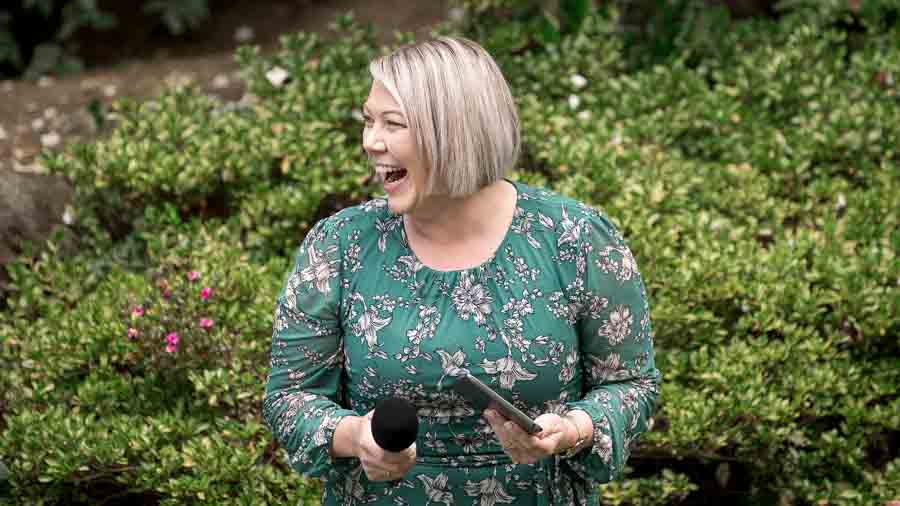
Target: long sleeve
621 379
303 391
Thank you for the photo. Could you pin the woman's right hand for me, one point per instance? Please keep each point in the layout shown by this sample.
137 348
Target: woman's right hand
377 463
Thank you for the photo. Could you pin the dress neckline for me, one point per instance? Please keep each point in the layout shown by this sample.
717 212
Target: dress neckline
490 260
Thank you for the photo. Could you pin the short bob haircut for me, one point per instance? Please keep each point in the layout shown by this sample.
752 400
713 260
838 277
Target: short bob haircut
460 110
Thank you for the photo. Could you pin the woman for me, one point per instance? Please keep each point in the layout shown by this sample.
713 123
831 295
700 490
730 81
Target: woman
459 270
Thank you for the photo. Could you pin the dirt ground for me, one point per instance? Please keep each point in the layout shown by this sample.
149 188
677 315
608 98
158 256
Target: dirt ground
50 112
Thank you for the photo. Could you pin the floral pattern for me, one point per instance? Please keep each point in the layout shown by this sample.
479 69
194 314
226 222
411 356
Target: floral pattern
556 320
471 300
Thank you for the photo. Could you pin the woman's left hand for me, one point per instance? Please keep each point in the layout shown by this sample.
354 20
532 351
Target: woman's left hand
524 448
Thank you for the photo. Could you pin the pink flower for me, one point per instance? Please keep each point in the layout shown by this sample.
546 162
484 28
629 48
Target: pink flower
132 333
206 323
193 276
137 312
171 342
167 294
205 293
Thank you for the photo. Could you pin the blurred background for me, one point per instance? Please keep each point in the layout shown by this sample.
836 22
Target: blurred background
63 60
160 160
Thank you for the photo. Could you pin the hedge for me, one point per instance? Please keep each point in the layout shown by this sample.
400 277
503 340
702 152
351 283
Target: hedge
757 185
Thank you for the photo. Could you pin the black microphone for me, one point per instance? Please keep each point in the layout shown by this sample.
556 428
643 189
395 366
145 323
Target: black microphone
394 424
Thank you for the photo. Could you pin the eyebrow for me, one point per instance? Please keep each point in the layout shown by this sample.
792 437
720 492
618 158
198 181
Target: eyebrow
389 111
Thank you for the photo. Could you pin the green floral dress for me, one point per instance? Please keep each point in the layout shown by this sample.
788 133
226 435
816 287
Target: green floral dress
556 320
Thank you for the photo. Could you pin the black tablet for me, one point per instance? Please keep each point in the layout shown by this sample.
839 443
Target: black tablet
482 397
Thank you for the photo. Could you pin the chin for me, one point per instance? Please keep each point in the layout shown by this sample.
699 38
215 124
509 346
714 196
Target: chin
401 204
398 205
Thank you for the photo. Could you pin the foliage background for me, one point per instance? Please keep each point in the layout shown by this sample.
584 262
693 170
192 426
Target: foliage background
752 164
38 37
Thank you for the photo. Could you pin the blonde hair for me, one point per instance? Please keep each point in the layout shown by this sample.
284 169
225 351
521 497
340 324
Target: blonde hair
460 110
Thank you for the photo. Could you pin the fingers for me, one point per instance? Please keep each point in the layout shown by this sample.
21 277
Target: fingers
509 430
383 475
523 448
552 424
511 437
376 461
407 456
375 474
381 465
383 471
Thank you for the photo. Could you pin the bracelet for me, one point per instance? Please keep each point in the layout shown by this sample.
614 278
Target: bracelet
575 448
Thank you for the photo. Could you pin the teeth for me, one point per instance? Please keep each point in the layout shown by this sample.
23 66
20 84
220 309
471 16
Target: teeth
389 173
384 169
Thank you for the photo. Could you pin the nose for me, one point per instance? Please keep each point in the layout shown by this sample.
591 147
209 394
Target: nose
372 141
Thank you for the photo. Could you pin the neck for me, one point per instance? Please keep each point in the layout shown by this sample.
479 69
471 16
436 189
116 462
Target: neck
443 220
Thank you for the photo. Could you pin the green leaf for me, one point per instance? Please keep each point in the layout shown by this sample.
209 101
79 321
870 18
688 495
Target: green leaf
547 29
572 14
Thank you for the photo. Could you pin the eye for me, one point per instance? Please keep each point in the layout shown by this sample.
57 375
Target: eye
396 125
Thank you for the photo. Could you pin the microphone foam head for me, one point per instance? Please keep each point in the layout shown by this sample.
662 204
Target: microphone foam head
395 424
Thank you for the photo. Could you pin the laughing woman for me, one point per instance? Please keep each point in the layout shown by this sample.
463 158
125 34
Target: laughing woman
459 270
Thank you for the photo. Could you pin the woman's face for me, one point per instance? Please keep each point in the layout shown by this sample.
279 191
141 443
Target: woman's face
389 142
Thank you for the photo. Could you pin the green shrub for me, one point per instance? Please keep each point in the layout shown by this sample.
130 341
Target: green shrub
756 185
668 488
267 167
131 416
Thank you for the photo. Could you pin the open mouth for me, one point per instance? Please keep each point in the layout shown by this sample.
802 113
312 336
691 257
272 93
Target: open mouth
395 175
391 173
